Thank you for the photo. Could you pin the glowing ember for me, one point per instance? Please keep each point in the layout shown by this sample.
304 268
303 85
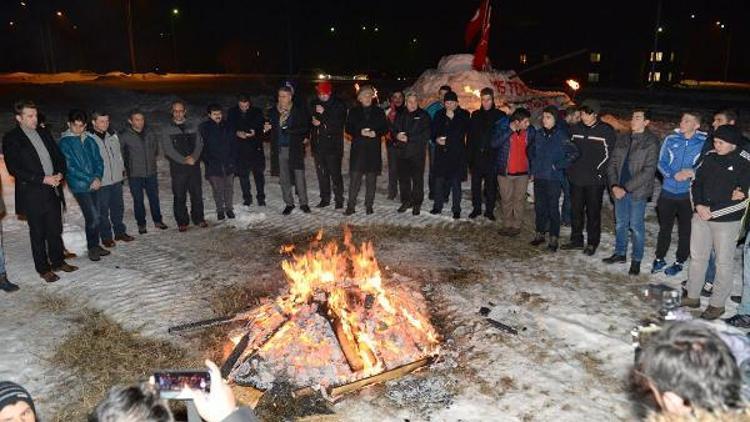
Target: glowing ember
469 90
338 323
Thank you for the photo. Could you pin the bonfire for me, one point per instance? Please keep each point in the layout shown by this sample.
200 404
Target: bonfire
339 327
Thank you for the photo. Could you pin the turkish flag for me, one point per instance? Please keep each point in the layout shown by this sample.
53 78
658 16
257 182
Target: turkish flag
476 22
480 54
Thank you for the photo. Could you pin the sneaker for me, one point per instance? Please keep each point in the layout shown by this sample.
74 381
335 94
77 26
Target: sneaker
102 251
739 321
124 237
349 211
673 269
570 246
416 211
539 238
456 215
182 228
712 312
435 211
635 268
65 267
94 254
287 210
736 299
6 285
658 265
475 213
405 206
142 230
323 204
247 202
589 250
369 211
690 302
220 216
230 214
490 216
552 245
708 289
109 243
615 259
203 224
49 277
305 209
161 226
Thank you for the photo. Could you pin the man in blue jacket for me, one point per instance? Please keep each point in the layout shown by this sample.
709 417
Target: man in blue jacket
84 177
679 155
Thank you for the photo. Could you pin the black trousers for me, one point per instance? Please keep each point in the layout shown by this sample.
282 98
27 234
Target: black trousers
443 185
392 172
45 229
489 196
667 209
411 180
586 206
260 183
187 180
355 183
547 206
328 168
274 159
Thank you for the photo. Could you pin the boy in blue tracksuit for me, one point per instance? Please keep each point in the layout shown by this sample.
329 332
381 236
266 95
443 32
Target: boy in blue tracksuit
84 176
677 159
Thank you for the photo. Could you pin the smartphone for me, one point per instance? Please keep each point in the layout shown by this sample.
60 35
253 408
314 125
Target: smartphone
172 383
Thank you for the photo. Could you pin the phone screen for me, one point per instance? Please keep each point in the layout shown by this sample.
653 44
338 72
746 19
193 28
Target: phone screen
172 383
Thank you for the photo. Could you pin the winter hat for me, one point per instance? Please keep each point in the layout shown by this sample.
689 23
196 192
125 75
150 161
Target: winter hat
11 393
450 96
728 133
592 106
324 88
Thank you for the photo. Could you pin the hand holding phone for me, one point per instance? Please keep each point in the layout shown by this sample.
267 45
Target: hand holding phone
175 384
217 404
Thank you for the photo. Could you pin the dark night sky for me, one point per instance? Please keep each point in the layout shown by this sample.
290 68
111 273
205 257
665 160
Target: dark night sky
253 36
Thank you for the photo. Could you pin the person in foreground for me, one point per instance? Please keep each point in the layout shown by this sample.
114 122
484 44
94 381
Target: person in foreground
16 404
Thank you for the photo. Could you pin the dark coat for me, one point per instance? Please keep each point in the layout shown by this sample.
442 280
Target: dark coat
450 159
481 154
219 148
328 137
417 126
250 154
716 178
594 144
297 128
551 153
644 154
24 164
365 154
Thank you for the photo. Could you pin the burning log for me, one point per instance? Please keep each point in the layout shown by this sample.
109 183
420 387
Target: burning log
336 393
346 335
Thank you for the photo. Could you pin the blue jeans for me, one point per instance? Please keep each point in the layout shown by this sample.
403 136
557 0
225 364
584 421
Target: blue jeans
111 209
547 206
151 186
89 203
565 212
630 214
744 306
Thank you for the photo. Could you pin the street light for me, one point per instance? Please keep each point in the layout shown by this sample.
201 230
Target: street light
175 11
364 28
59 14
377 29
333 29
661 29
692 16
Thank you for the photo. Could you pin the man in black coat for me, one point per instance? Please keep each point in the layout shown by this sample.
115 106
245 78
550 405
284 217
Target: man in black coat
588 176
413 130
482 155
449 131
289 125
366 125
247 124
219 157
395 107
328 117
37 164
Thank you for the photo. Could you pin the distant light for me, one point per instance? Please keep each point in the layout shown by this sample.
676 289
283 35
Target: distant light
414 40
718 23
692 16
59 13
161 35
660 29
23 4
257 53
573 84
11 23
75 26
333 29
364 28
722 26
377 29
175 11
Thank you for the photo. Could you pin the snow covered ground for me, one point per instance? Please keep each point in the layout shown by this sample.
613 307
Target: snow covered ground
570 363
